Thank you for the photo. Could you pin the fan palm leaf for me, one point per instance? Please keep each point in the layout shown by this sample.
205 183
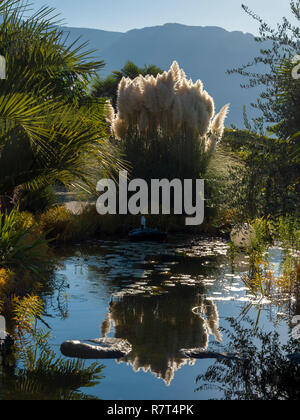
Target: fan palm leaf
45 114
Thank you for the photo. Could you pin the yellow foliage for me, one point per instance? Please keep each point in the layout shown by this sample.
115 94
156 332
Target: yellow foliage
5 278
26 311
25 220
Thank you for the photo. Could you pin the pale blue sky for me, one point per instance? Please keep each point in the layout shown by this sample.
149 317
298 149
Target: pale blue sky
123 15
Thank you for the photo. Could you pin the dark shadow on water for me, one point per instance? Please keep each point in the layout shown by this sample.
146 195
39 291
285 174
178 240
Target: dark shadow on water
48 385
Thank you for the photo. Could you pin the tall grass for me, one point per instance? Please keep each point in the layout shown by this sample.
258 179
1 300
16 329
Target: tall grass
63 227
261 279
167 125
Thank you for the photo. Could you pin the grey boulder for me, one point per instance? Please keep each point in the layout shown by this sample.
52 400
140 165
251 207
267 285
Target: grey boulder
204 354
99 348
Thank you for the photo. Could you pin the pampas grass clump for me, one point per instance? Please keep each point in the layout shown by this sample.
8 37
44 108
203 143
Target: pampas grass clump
168 104
166 125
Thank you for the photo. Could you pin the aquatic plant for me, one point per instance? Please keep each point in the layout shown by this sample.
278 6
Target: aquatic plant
288 230
261 279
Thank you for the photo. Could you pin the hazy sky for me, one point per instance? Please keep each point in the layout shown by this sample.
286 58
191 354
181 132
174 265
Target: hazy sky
123 15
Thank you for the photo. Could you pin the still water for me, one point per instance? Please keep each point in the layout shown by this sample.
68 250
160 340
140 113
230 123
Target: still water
161 298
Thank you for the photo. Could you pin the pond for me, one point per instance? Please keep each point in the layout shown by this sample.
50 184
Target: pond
162 298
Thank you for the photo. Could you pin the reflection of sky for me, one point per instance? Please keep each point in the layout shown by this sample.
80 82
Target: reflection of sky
186 273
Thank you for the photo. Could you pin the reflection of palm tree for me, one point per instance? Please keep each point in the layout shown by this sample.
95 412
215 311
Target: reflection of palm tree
59 380
159 326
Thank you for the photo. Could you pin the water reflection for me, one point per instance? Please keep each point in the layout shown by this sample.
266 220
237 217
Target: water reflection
49 384
163 297
159 326
264 372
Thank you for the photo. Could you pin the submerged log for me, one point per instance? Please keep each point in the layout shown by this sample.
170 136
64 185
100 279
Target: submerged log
99 348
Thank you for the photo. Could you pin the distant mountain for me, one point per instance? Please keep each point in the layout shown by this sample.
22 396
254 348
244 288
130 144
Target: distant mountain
203 52
98 40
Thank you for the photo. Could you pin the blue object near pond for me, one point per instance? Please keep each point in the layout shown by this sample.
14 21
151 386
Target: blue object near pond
146 234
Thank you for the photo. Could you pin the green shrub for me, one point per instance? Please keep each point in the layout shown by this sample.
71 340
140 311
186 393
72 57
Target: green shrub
22 247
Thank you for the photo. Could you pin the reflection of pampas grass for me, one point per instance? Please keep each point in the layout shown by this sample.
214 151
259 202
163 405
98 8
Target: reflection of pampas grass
105 327
210 310
212 316
157 336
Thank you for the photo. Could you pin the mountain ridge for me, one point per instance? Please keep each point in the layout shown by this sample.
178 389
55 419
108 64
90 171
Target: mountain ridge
204 52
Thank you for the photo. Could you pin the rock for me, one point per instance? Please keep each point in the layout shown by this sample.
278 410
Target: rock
243 236
203 354
294 358
99 348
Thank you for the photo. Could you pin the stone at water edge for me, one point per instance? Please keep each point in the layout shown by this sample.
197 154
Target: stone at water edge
205 354
99 348
243 236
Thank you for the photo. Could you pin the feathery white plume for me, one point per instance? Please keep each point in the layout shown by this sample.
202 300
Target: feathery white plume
167 104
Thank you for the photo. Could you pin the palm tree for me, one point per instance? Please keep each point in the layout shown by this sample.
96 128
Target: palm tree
108 87
50 130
